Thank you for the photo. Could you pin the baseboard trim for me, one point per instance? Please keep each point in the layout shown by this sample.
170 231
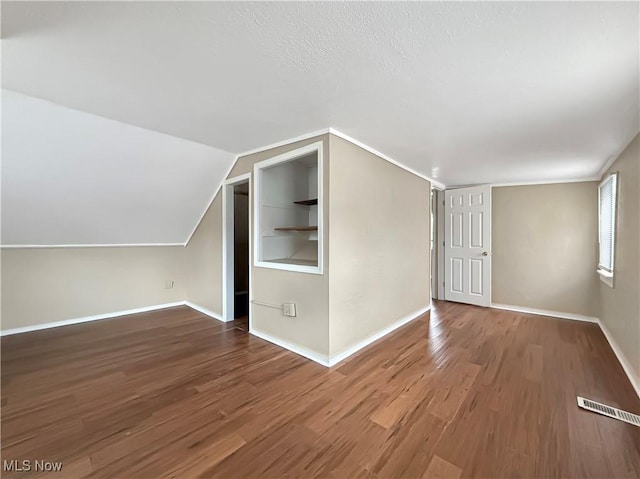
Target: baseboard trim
622 359
72 246
86 319
376 336
205 311
545 312
332 361
294 348
328 362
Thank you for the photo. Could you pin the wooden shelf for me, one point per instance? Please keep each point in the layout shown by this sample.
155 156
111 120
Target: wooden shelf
301 262
297 228
311 202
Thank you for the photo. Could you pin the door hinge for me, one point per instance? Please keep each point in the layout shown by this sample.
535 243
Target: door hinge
443 243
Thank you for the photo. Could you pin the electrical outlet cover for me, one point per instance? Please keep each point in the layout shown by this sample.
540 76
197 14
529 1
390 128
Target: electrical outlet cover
289 309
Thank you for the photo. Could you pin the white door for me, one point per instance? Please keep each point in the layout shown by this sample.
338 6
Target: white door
467 251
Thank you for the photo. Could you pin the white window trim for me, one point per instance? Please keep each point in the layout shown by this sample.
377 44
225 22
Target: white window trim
257 243
605 275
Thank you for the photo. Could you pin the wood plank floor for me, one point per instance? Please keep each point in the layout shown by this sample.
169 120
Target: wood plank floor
460 392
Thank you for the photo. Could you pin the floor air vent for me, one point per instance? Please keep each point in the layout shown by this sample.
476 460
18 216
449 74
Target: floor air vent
609 411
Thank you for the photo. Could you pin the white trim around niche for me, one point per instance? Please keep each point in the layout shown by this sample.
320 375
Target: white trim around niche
289 141
284 158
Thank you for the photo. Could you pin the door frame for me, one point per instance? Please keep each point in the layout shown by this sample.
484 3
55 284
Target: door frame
441 242
228 247
437 207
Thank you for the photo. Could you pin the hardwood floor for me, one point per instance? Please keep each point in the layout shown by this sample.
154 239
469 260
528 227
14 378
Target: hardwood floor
241 323
460 392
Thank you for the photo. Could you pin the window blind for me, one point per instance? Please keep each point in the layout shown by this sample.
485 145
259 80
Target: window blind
607 222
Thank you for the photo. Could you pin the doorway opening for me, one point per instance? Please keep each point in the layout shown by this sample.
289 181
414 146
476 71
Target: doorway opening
434 246
241 255
236 251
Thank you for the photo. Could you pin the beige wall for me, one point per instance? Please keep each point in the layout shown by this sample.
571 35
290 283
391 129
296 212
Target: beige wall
310 329
361 222
379 244
55 284
544 242
620 305
203 260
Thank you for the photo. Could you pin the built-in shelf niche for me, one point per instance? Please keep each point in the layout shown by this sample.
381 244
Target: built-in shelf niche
288 206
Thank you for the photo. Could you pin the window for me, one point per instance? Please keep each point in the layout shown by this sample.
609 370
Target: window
607 192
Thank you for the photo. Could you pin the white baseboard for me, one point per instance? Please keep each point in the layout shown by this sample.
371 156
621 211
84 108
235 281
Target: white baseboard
96 317
295 348
325 360
206 311
545 312
374 337
622 359
634 379
85 319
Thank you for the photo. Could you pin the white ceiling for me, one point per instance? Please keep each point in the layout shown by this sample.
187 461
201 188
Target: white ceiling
462 92
70 177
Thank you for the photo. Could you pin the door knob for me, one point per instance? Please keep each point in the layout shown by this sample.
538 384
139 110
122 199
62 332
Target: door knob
484 253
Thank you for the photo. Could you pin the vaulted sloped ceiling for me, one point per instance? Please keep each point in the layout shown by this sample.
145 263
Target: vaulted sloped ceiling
70 177
464 92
